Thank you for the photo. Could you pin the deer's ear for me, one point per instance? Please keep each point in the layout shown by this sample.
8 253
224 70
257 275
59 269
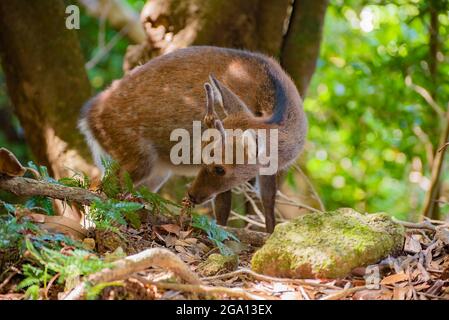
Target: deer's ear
227 99
219 126
210 116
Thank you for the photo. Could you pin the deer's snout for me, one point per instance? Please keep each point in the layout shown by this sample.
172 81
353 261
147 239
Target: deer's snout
192 198
197 198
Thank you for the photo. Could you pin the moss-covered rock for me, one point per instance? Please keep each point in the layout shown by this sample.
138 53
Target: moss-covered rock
328 245
217 263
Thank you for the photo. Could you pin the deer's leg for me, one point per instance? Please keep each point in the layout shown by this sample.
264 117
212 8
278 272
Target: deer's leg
268 189
222 207
156 179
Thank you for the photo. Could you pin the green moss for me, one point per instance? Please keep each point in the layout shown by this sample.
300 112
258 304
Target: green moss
328 245
217 263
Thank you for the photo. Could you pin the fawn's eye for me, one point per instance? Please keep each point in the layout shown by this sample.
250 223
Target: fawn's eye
219 170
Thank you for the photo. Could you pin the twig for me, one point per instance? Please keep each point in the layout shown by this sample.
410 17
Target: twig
425 140
253 204
121 269
443 147
312 188
261 277
412 225
343 293
294 203
231 292
8 278
118 14
106 49
50 283
425 95
304 293
249 220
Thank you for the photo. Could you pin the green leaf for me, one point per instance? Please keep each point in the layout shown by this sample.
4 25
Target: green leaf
214 232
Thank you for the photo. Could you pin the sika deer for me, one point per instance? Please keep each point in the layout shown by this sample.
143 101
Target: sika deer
132 121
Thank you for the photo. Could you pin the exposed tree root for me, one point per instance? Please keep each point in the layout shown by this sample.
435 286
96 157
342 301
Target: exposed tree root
262 277
199 288
123 268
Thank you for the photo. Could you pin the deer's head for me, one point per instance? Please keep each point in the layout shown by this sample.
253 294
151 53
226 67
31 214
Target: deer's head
231 157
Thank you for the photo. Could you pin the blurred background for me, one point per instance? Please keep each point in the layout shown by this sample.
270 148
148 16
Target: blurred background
376 101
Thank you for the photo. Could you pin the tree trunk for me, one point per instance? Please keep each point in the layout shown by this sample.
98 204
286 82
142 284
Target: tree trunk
172 24
46 81
301 45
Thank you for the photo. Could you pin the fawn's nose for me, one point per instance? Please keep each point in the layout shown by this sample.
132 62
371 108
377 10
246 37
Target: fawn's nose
192 198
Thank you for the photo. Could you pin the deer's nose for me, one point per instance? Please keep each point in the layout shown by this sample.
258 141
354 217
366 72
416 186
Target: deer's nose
192 198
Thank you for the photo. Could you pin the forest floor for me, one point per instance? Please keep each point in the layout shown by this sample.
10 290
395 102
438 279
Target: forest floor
166 257
419 272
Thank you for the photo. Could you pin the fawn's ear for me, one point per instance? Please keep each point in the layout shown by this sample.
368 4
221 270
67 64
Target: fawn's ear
227 99
210 116
219 126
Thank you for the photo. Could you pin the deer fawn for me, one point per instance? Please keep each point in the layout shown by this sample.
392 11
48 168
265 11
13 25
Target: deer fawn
132 121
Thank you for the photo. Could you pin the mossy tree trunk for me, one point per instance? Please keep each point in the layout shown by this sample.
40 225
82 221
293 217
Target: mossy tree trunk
46 81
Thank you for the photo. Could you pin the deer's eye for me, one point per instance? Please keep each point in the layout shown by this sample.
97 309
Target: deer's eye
219 170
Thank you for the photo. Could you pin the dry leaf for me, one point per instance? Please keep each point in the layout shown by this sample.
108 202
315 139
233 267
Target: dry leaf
443 235
171 228
9 164
412 244
394 278
399 293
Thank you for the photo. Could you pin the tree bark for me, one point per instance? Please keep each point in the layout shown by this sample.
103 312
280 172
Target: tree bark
172 24
301 45
46 81
47 84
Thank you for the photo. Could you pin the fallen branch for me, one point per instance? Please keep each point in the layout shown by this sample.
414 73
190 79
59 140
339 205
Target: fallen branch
123 268
30 187
231 292
421 225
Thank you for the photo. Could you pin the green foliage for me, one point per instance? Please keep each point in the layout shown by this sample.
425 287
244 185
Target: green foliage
68 265
110 183
41 203
113 188
12 232
78 180
43 171
362 149
214 232
107 214
93 292
158 204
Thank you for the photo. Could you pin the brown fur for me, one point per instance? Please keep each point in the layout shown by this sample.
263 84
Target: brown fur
132 120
